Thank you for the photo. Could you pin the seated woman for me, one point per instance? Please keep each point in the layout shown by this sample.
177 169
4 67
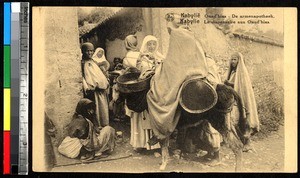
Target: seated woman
84 140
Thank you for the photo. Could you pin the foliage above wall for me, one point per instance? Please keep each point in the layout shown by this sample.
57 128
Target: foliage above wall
125 22
95 16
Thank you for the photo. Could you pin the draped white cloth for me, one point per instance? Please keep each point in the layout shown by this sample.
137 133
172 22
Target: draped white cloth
101 59
213 74
130 59
96 80
185 58
93 76
243 86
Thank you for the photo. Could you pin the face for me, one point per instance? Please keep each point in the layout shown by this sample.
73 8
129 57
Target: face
100 54
151 46
234 61
88 53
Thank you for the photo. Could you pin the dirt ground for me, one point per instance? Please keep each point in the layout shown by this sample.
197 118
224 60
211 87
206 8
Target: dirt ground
269 157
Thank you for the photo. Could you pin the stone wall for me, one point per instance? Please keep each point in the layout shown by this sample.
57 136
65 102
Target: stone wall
56 79
63 82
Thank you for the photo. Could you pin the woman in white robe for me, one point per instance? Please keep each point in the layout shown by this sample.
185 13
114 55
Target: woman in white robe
140 132
96 83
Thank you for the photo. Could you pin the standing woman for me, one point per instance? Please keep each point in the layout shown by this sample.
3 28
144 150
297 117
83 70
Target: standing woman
95 83
150 60
137 134
238 78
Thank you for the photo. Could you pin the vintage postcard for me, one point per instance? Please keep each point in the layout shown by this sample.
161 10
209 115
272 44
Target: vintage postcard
135 90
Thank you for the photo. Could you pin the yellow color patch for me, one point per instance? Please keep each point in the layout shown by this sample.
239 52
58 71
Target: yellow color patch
6 120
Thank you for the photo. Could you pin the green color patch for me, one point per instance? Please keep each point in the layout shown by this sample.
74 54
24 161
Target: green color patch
7 67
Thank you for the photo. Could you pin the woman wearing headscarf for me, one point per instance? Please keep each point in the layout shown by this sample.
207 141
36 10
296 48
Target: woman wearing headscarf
99 58
150 58
132 55
95 84
86 108
239 79
139 136
83 139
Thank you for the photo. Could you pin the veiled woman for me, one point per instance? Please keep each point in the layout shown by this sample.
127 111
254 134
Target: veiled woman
139 132
132 55
100 59
150 58
239 79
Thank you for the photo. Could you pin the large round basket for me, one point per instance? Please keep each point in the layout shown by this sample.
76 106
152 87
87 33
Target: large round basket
130 83
197 96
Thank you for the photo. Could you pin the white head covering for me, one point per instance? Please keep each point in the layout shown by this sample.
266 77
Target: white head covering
144 49
243 86
101 61
96 58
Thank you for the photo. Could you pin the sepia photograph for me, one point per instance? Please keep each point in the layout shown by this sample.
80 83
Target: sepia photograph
143 90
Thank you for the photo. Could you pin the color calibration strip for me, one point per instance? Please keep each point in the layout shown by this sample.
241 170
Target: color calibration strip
14 70
6 92
23 88
16 55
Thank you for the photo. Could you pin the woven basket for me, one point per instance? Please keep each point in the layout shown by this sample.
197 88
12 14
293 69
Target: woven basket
197 96
130 83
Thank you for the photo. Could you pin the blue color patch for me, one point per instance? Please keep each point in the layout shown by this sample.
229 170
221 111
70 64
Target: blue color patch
7 17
